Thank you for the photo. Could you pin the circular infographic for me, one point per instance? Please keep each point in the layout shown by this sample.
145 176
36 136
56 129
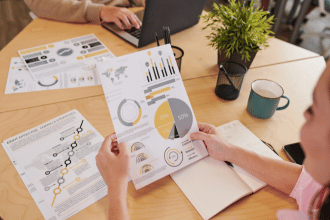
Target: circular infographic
173 157
64 52
173 119
49 81
141 157
137 146
129 112
146 168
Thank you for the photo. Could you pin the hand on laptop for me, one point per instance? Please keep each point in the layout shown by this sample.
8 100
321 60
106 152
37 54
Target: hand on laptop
122 17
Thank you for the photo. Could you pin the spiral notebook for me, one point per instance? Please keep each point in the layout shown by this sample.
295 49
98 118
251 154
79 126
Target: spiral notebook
211 185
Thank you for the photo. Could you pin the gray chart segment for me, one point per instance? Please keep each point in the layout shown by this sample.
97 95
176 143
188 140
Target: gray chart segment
153 101
32 55
150 88
178 108
38 64
119 114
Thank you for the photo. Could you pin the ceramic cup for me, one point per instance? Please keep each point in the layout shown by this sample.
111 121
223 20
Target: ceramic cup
264 98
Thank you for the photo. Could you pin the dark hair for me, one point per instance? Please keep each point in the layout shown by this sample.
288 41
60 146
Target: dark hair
324 213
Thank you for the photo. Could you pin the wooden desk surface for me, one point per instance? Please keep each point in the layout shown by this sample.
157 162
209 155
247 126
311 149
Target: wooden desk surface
199 59
163 199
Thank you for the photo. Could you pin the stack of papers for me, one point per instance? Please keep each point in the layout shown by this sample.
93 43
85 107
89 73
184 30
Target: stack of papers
56 161
65 64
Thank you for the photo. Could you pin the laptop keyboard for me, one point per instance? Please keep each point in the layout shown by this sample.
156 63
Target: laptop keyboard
135 32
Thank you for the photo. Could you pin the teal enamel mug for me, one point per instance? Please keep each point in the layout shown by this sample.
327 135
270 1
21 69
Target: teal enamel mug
264 98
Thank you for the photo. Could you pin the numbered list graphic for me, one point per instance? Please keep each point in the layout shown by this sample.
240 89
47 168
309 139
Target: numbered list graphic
173 119
67 162
129 112
159 66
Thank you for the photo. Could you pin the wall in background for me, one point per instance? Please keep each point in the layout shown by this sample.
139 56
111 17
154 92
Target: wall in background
14 17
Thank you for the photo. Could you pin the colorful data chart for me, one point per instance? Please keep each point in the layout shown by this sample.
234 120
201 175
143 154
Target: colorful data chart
173 157
173 119
137 146
47 82
158 67
129 112
156 92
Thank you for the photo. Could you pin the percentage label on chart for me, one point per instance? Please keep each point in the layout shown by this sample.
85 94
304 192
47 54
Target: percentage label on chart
164 116
183 116
166 131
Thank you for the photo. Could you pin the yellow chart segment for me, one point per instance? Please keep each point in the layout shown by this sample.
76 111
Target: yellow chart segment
164 120
152 94
139 117
96 53
33 50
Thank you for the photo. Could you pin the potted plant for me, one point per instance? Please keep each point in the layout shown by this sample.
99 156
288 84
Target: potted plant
238 31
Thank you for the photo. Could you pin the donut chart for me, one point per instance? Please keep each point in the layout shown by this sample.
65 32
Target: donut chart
47 82
129 112
173 157
173 119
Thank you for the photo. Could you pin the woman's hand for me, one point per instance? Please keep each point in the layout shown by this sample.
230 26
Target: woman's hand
216 145
113 163
120 16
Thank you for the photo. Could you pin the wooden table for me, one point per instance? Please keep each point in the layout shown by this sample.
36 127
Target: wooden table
163 199
199 60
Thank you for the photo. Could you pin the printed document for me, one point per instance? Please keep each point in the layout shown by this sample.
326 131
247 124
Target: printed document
20 80
151 111
56 161
55 58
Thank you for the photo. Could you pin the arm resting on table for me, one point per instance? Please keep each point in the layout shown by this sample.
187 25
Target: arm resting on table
280 174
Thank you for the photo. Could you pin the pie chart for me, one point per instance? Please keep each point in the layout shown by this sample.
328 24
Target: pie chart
173 119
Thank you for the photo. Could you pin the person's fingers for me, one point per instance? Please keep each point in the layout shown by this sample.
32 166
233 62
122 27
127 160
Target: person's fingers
202 126
135 21
200 136
140 22
106 146
207 128
122 147
118 23
125 20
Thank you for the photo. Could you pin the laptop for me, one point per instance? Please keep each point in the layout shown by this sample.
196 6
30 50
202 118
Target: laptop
176 14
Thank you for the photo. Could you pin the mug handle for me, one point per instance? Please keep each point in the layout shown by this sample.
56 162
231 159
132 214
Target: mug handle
286 105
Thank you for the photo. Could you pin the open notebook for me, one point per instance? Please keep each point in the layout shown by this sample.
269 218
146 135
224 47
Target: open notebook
211 185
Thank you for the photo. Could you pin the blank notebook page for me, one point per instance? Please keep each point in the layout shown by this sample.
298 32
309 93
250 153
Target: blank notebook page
236 133
210 185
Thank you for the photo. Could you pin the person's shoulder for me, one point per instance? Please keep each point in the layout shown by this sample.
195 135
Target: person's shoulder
305 189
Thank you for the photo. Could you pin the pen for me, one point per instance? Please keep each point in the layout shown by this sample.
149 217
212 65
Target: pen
169 35
157 38
165 35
